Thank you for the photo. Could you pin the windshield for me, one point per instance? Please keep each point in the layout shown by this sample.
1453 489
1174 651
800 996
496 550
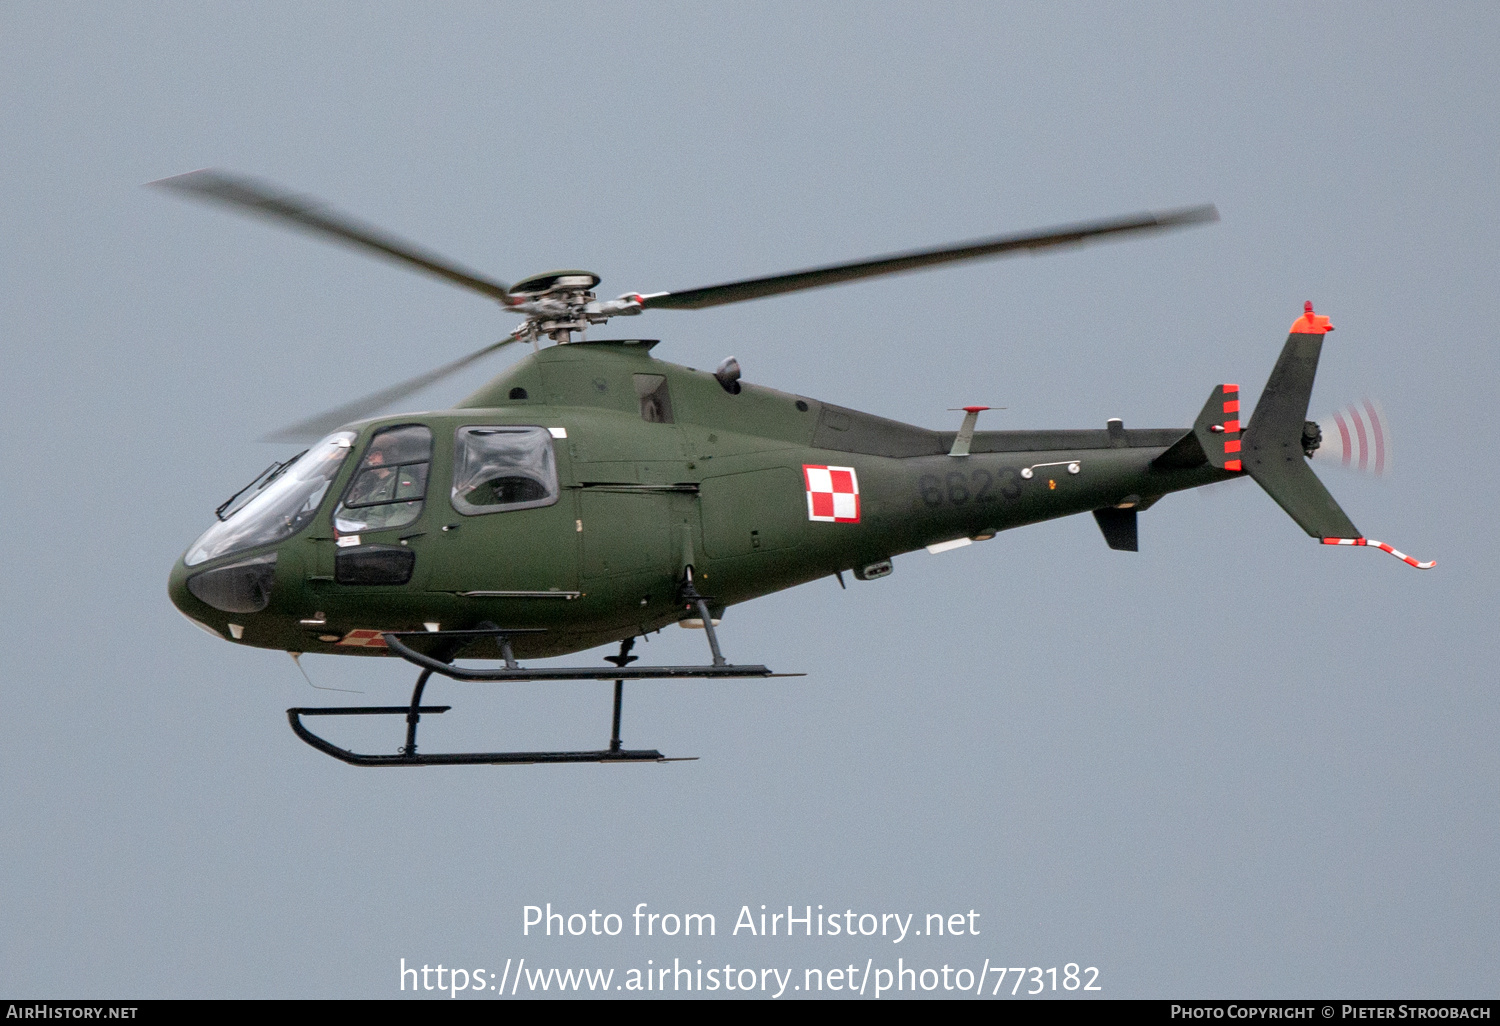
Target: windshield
282 508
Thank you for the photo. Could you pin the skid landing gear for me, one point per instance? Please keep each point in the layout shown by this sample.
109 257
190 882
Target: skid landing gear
444 647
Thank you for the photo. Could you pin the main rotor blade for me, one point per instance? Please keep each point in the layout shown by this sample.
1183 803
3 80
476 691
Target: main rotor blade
313 428
268 201
1065 235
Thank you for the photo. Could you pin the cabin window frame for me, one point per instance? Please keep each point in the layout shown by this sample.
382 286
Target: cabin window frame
357 517
535 462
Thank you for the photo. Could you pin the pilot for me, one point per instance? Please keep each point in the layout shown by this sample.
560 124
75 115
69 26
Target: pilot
377 482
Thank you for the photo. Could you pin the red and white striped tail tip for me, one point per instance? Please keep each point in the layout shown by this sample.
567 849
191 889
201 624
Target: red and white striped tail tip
1383 547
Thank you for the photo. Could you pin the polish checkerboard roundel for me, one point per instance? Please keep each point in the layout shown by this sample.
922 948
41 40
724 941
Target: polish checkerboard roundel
832 494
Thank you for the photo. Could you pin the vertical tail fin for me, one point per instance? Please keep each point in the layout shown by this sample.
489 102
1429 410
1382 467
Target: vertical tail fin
1218 428
1215 438
1273 442
1273 447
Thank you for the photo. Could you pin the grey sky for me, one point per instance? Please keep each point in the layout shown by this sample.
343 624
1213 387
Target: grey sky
1233 764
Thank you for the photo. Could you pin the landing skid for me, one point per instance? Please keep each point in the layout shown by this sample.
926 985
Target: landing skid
445 646
408 756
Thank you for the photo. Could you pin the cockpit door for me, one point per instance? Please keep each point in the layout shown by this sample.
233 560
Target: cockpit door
364 545
507 527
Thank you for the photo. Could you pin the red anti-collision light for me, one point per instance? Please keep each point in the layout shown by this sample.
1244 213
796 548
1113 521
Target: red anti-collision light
1310 323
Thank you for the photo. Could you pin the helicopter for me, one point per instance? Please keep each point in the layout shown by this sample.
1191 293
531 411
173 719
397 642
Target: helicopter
592 494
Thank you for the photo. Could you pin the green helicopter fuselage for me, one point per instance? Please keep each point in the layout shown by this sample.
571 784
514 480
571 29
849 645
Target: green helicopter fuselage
572 492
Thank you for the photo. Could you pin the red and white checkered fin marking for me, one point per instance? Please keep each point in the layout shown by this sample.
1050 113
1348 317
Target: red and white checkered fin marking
832 494
1383 547
364 639
1232 428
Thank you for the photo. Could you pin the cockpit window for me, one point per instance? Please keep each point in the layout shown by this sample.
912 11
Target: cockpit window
388 488
503 468
283 506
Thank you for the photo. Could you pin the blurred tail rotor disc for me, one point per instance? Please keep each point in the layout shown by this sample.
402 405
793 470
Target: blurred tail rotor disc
1358 437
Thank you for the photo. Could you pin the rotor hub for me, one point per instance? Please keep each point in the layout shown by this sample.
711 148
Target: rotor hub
558 303
554 283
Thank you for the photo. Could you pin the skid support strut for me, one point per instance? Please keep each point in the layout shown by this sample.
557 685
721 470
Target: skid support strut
414 715
444 646
621 660
689 594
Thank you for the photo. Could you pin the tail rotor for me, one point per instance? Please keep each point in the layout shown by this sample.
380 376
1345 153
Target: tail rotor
1356 437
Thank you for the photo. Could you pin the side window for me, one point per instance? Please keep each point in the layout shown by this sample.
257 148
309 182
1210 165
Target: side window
656 402
502 468
390 484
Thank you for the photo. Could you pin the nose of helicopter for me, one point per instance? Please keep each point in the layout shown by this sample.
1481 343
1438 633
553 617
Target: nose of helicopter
220 599
183 599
